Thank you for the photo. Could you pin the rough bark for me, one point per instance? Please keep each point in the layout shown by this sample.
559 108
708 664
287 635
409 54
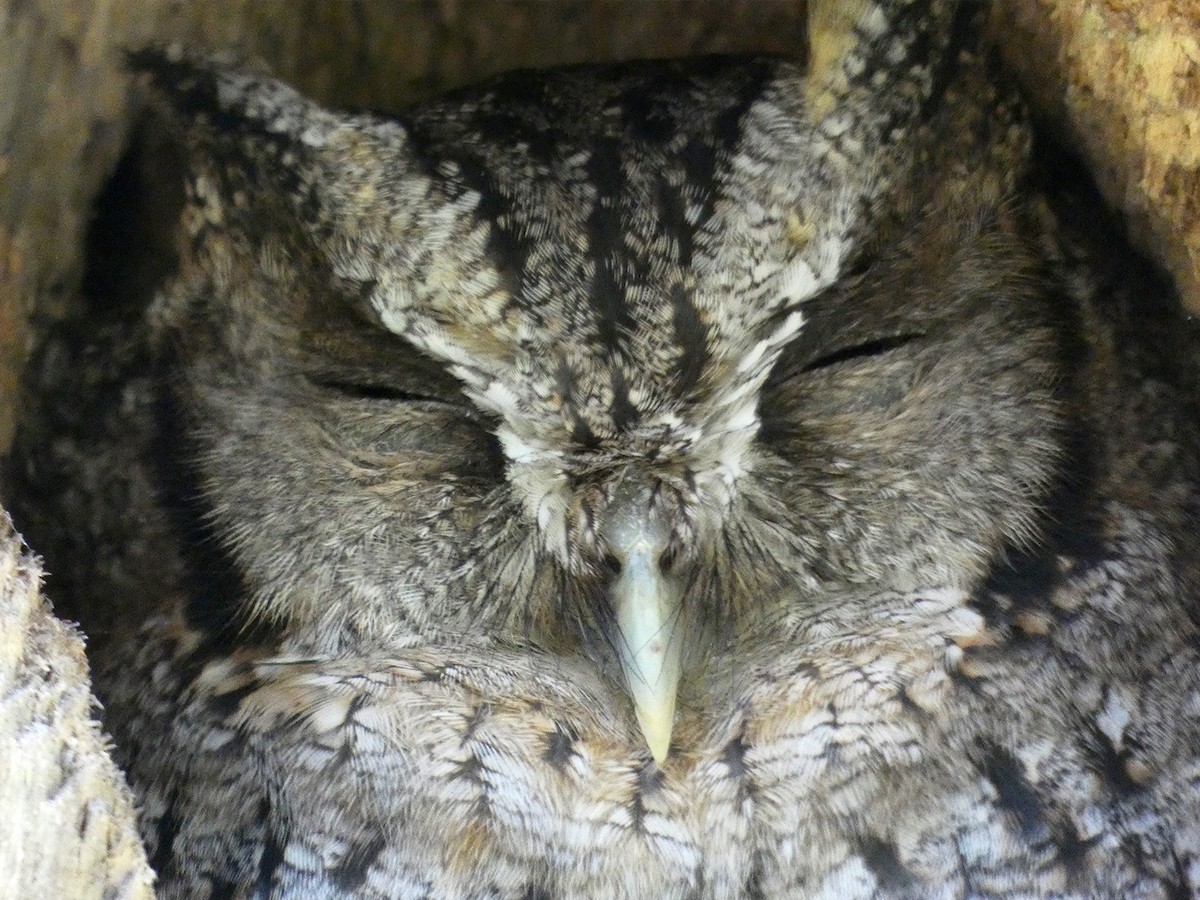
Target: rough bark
1119 81
68 818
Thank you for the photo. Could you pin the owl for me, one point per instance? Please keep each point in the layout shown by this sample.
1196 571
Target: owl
718 478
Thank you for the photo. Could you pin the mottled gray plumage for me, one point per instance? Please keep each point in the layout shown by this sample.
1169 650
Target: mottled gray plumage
904 444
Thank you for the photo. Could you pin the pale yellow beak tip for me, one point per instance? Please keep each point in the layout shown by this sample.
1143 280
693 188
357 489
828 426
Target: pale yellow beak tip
657 731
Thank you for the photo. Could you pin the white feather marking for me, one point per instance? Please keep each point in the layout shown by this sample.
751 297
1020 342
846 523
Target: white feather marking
500 399
800 281
302 858
874 23
743 417
1115 718
753 357
517 449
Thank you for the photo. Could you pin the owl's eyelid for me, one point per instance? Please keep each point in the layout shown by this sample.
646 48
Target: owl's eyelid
367 391
879 346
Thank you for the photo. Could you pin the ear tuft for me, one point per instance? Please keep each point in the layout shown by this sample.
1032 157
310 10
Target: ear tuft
832 36
891 53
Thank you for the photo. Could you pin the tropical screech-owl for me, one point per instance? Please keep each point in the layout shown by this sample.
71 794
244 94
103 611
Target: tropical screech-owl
712 478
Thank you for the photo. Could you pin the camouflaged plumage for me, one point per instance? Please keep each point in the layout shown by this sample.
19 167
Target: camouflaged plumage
909 442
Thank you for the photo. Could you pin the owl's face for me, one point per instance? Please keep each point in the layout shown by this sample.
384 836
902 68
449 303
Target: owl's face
627 366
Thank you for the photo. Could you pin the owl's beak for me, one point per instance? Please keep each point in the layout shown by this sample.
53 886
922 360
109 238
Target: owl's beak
647 606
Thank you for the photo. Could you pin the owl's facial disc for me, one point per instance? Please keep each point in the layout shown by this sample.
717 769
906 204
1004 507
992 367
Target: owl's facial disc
646 603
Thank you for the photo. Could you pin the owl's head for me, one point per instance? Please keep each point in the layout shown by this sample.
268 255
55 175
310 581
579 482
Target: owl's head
627 362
